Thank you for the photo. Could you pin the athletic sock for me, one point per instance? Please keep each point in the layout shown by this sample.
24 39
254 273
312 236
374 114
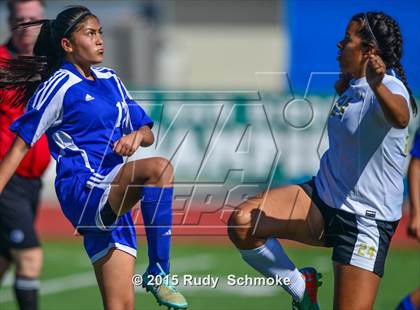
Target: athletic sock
156 208
26 291
271 261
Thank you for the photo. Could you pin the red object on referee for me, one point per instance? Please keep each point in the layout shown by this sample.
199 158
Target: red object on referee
38 157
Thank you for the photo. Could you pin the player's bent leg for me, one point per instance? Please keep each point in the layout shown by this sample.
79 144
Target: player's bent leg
286 212
151 181
28 269
133 177
114 274
354 287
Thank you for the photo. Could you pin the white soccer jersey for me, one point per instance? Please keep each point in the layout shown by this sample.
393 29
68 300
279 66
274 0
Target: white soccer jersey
362 171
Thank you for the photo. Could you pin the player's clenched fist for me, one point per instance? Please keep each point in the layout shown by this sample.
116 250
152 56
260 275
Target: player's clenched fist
375 70
127 145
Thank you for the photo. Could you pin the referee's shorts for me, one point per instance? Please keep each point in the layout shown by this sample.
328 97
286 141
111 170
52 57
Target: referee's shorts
18 207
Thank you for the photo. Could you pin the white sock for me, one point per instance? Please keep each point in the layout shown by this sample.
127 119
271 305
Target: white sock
271 261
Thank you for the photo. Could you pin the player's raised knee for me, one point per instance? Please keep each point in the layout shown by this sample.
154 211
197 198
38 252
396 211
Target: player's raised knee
163 169
240 225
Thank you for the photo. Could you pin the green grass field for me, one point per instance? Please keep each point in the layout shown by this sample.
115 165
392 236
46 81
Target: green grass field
68 281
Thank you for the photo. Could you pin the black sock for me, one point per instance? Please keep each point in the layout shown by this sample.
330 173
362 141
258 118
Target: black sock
26 291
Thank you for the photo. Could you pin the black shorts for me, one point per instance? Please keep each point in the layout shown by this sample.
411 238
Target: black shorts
356 240
18 207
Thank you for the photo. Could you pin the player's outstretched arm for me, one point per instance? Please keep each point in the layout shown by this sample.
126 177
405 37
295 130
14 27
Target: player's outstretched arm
413 228
12 160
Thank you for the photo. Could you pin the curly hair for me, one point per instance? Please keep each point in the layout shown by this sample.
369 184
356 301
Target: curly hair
383 31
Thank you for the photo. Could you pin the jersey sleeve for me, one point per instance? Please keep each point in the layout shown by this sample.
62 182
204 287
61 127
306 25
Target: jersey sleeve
415 149
137 117
43 110
398 88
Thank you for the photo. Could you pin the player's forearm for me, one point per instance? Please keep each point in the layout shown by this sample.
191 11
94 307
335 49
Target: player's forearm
394 106
147 134
12 160
414 186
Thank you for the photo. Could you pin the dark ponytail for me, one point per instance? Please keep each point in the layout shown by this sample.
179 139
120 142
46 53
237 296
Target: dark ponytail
48 46
401 75
24 74
383 31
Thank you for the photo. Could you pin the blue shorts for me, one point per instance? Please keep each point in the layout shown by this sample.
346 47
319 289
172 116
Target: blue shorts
82 202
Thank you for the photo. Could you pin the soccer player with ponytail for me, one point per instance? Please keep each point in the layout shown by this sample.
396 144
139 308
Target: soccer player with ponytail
354 203
92 123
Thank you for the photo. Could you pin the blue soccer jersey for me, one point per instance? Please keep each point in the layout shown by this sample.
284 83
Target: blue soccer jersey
82 119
